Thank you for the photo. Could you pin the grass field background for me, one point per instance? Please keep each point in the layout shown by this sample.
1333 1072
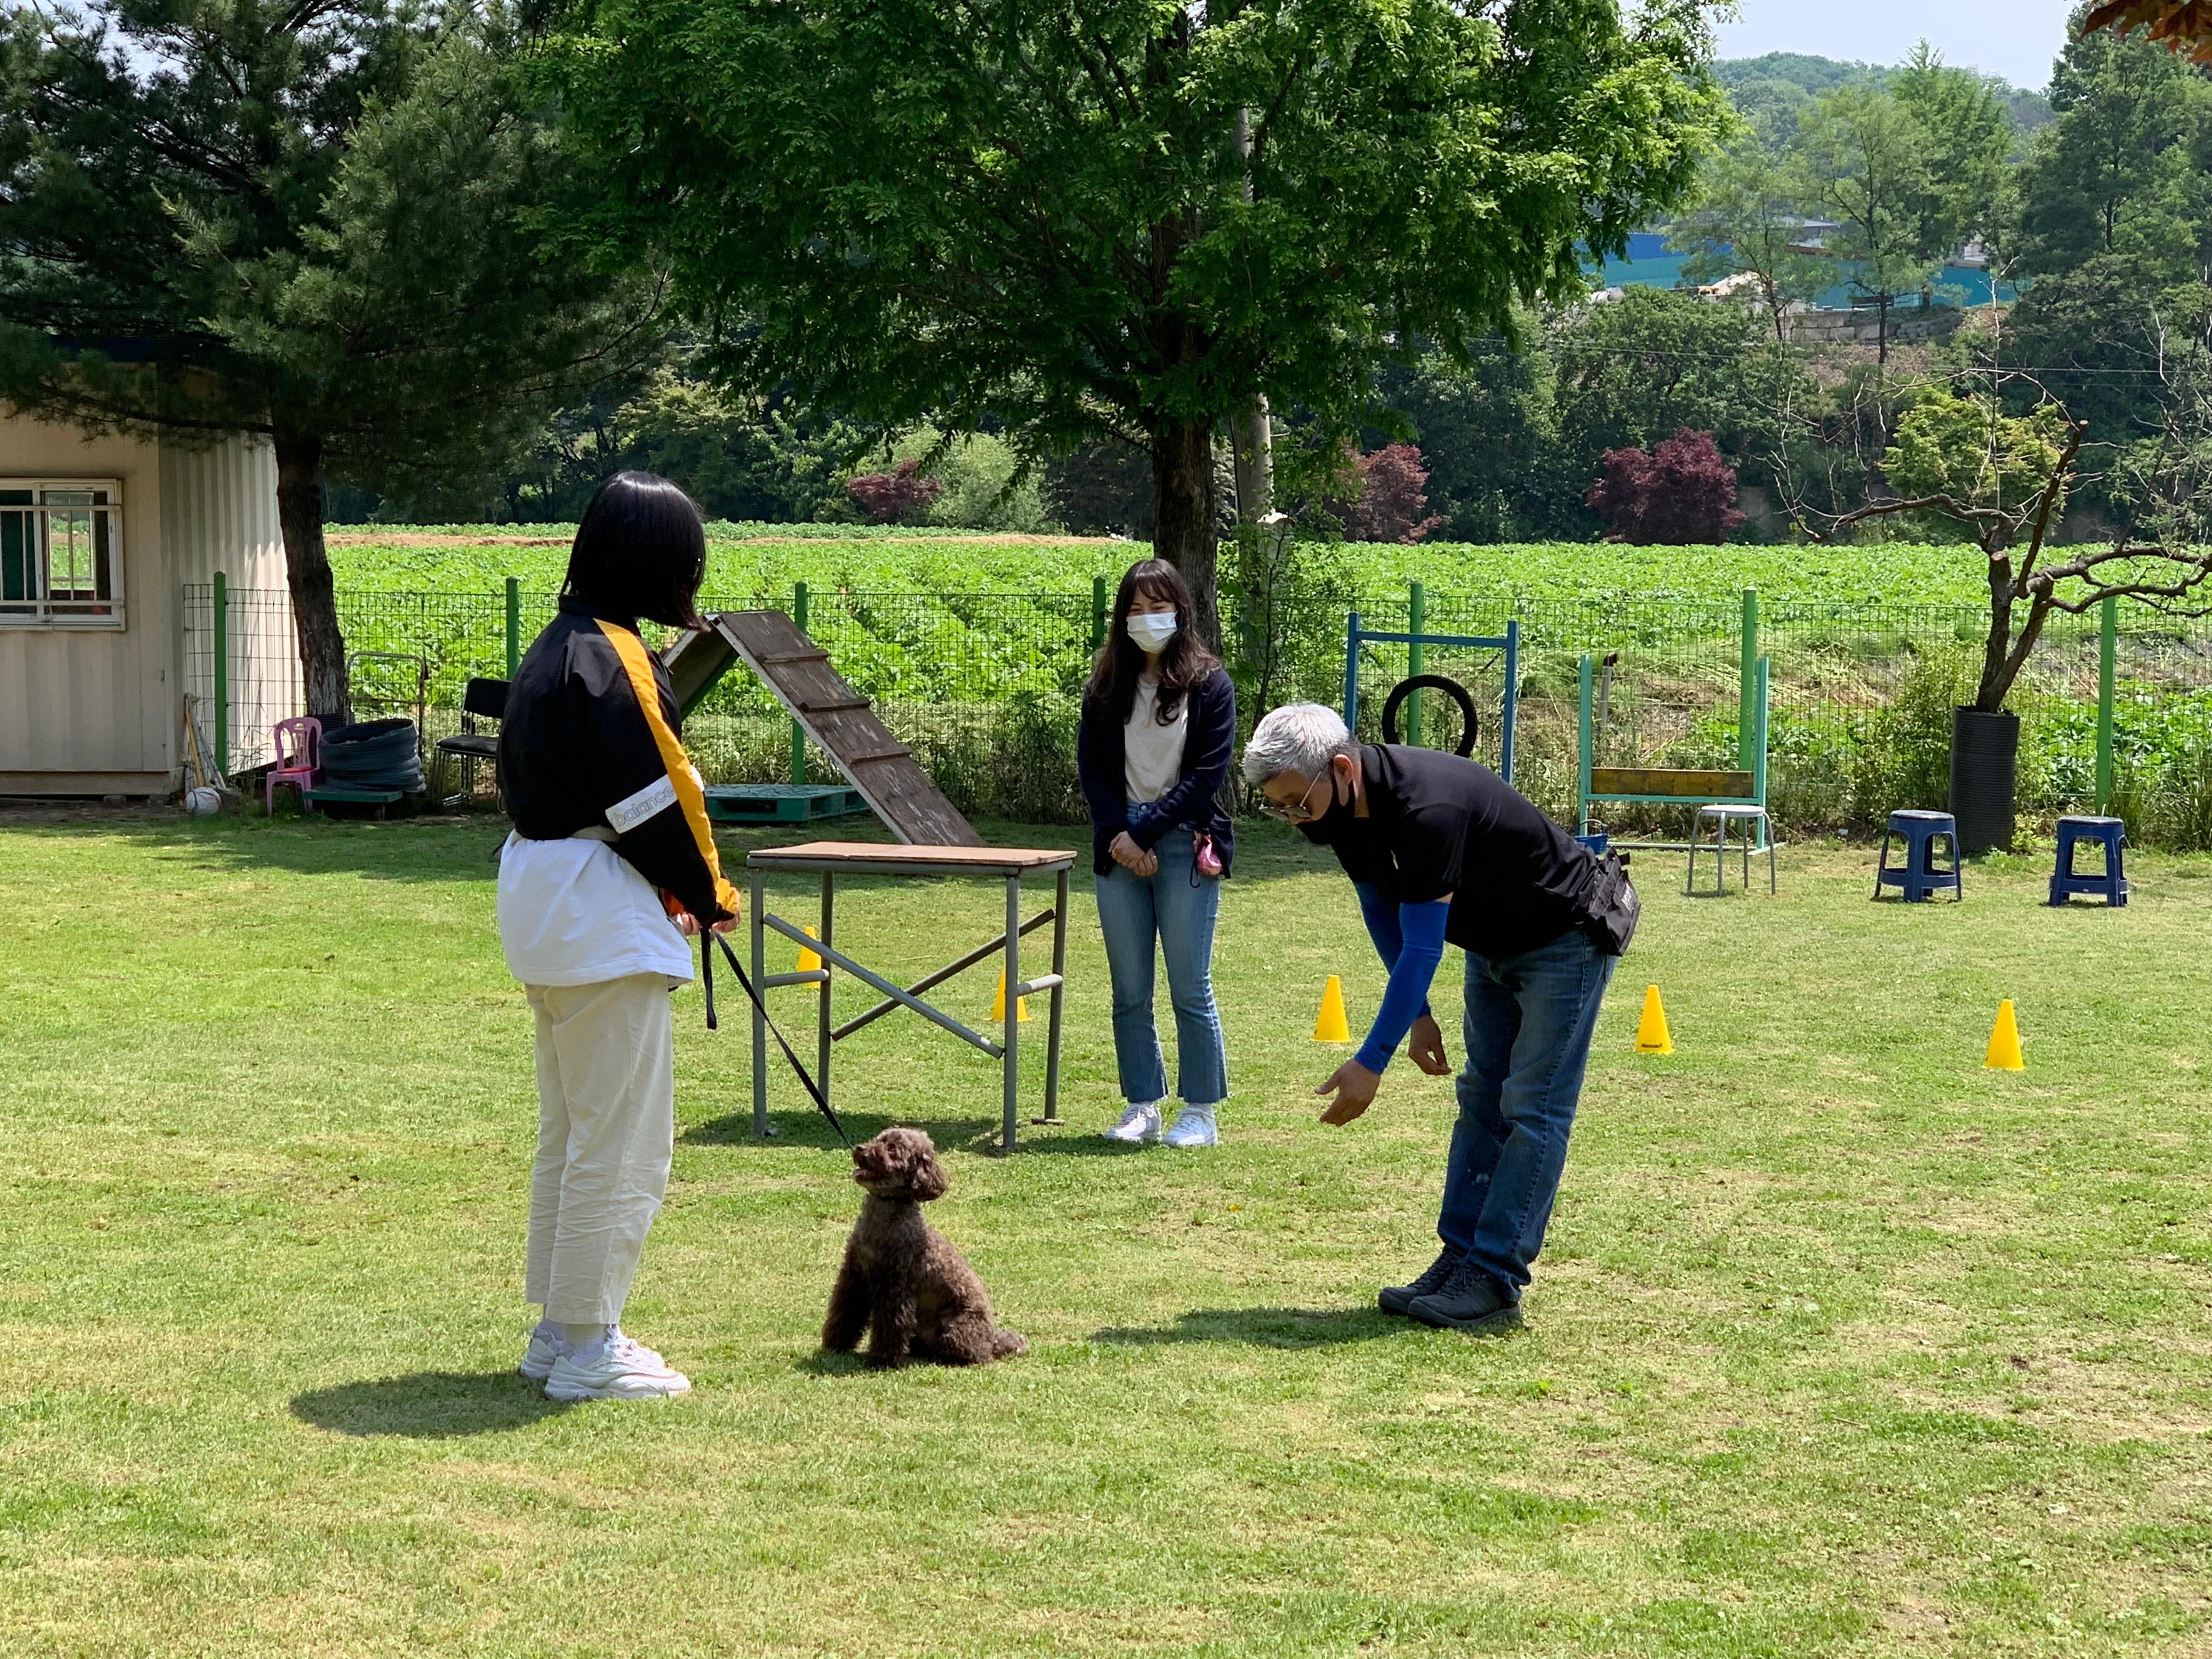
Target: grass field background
1840 1344
749 560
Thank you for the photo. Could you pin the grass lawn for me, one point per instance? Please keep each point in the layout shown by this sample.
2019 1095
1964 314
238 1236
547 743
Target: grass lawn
1840 1345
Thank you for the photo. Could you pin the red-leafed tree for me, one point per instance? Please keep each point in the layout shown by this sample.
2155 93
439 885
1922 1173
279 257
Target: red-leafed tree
897 496
1676 493
1394 489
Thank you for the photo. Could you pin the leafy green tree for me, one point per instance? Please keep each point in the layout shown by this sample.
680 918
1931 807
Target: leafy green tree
1746 219
1966 448
1634 371
315 219
1130 217
1488 432
1863 158
2125 170
1971 137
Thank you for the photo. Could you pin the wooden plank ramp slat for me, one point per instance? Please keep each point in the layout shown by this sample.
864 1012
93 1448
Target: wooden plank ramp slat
797 673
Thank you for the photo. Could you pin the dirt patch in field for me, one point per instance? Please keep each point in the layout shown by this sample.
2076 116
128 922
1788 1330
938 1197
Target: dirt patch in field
416 539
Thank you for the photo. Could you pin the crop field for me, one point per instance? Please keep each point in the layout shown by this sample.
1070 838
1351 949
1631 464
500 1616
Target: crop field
745 561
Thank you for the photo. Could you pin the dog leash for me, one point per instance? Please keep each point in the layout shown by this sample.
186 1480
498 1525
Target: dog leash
707 940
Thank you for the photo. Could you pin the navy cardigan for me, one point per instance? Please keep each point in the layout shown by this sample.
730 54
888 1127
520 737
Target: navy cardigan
1195 801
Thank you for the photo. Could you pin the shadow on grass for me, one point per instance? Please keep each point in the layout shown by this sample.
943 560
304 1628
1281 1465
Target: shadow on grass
428 1405
808 1131
1266 1328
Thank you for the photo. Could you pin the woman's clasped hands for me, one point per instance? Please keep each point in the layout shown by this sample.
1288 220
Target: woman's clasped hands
1131 857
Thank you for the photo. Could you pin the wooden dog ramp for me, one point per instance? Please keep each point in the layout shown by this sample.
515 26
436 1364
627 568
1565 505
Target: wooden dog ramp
842 721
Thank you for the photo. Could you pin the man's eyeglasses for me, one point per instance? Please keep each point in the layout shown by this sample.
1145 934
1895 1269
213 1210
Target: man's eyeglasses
1295 812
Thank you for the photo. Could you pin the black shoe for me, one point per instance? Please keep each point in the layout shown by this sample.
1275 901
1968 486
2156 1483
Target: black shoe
1397 1298
1471 1301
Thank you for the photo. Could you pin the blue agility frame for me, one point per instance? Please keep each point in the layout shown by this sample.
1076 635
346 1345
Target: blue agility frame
1509 642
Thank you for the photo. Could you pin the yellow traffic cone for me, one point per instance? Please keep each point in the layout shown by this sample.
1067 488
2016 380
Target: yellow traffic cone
1330 1026
808 961
2004 1054
999 1003
1651 1037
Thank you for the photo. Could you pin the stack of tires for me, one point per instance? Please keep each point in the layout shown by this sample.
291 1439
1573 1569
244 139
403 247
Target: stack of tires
383 754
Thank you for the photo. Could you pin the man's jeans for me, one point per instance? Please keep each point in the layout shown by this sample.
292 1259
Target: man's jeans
1174 907
1528 1023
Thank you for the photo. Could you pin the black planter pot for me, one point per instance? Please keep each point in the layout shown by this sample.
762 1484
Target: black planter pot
1984 757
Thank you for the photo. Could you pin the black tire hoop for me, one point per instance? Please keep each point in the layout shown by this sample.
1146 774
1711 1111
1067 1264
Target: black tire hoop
1450 688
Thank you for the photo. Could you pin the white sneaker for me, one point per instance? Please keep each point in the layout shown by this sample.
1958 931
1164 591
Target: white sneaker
1139 1124
618 1369
537 1359
1194 1126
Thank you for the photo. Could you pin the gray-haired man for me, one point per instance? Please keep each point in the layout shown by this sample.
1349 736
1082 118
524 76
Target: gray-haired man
1441 849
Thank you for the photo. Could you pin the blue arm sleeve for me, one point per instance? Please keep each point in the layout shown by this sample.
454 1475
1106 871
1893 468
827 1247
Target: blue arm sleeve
1379 912
1418 931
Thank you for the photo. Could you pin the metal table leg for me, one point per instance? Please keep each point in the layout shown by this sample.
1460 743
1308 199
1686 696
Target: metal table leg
760 1020
1059 990
828 928
1013 1011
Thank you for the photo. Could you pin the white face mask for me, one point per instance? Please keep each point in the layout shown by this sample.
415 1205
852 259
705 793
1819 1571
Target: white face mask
1151 630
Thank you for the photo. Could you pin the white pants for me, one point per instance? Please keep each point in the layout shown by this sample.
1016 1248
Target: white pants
607 1128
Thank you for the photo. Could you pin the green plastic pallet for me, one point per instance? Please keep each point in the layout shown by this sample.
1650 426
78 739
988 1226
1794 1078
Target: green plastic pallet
781 803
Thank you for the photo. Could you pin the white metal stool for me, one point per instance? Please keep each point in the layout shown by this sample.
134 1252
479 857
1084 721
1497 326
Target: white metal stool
1758 832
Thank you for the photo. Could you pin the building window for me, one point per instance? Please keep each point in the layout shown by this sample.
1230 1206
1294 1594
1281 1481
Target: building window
61 552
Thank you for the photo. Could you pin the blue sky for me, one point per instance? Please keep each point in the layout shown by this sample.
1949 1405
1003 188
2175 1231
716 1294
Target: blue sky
2016 39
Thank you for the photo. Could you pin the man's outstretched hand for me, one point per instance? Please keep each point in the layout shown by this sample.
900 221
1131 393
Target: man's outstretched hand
1424 1046
1354 1087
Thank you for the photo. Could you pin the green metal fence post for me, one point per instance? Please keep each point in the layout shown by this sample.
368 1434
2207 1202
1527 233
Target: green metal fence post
2108 633
1582 737
1417 609
1750 738
514 625
1097 613
221 676
798 731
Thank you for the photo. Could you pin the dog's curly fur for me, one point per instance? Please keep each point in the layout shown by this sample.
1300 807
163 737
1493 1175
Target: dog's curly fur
902 1281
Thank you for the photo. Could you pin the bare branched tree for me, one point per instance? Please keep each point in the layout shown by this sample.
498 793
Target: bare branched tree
2027 582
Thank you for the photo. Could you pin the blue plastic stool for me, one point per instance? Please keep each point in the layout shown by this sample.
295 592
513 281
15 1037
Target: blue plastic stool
2109 833
1918 876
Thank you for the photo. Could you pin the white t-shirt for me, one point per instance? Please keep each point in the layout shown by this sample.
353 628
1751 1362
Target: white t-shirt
1152 754
576 912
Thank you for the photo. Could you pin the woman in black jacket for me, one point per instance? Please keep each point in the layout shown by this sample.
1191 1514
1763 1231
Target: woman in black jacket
1160 724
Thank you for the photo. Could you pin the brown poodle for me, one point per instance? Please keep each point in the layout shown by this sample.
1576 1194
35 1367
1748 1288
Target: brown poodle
903 1277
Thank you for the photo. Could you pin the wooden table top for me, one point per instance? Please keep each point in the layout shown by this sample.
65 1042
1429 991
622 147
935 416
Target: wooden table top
895 860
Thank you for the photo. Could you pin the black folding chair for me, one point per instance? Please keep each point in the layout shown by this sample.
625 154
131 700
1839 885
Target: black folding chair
484 699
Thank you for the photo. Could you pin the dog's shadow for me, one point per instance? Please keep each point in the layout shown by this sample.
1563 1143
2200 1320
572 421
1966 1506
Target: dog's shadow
1264 1328
428 1405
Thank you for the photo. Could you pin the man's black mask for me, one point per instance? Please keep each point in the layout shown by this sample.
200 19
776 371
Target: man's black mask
1328 826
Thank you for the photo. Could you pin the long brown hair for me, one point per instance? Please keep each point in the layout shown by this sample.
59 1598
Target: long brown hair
1184 663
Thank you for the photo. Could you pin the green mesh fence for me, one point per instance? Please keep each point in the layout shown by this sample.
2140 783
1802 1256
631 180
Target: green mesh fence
986 687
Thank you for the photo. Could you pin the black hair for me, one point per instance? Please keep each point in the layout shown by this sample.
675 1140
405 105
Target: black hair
1184 662
639 551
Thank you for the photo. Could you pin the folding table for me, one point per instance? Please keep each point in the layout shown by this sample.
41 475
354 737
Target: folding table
831 859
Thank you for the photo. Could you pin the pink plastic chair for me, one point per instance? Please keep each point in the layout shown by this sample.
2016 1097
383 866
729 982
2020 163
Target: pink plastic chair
298 752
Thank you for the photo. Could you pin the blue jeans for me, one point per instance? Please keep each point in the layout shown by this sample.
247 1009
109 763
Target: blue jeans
1176 907
1528 1030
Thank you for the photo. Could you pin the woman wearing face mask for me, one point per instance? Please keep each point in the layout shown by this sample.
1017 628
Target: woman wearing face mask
1159 721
